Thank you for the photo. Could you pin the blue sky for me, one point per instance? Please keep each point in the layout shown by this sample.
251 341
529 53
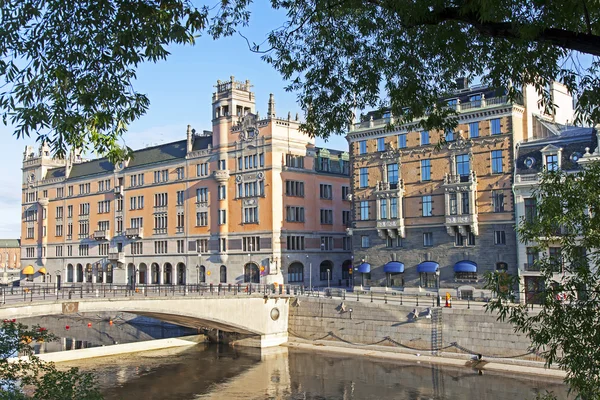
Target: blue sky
180 91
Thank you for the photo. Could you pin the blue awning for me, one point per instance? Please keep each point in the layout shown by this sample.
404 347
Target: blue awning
465 266
364 268
394 267
428 267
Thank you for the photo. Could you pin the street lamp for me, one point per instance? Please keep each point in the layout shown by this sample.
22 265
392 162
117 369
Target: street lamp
309 273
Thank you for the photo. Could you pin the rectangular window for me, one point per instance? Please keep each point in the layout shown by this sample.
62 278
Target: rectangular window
380 144
346 218
552 162
364 242
463 167
449 135
294 161
251 243
326 217
364 177
495 126
202 245
160 223
202 195
180 197
137 222
160 247
555 258
222 217
496 161
347 244
474 130
84 249
453 200
180 173
202 169
498 200
250 215
69 251
161 176
58 251
137 248
326 243
59 212
427 206
402 141
222 192
530 209
499 237
393 207
428 239
424 138
294 188
294 214
345 192
70 191
59 230
392 175
425 170
180 222
202 218
362 147
465 202
326 191
161 199
383 209
458 239
222 165
295 242
180 246
470 239
60 193
532 258
364 210
222 245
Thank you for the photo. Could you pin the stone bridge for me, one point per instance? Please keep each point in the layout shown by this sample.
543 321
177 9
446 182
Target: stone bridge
262 317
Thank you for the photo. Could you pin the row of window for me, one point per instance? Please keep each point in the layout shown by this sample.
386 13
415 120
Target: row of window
424 136
459 240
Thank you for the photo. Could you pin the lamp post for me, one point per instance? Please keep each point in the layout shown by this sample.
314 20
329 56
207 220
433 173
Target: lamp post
197 274
309 273
328 278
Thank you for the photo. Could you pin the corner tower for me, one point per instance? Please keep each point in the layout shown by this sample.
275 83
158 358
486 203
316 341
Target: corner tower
231 101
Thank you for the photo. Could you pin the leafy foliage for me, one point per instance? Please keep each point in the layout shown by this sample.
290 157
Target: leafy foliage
566 328
23 375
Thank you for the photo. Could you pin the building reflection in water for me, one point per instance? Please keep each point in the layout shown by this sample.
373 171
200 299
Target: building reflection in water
220 372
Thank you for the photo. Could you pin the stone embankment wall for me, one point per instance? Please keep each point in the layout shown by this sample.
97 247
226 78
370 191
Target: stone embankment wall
464 331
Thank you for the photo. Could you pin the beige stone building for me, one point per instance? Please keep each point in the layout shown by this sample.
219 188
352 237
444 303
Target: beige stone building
10 260
253 200
437 220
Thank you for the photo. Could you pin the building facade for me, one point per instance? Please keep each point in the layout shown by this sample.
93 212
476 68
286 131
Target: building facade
10 260
428 219
557 148
253 200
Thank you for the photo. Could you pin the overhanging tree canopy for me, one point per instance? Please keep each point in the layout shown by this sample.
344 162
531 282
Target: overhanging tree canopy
69 66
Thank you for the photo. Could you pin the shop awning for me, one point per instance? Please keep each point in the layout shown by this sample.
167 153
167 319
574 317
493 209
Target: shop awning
28 270
364 268
393 267
465 266
428 267
42 270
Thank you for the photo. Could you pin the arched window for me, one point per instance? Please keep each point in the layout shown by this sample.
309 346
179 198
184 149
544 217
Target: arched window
79 273
88 273
168 279
223 274
202 274
109 273
251 273
181 274
155 274
296 272
142 274
99 273
326 270
70 273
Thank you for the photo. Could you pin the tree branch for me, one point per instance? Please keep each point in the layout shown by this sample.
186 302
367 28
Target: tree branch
583 42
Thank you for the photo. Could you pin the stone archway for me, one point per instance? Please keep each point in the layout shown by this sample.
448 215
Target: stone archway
251 273
168 274
296 272
181 274
70 274
326 270
155 274
142 274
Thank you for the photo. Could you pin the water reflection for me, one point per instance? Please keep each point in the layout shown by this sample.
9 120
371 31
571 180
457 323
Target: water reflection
217 372
74 333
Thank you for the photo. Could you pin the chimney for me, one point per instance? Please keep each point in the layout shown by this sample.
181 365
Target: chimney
271 108
462 83
189 139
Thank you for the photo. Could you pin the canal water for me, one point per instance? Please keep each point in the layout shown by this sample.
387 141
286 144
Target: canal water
209 371
220 372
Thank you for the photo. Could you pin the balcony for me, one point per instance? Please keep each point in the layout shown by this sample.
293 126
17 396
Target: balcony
119 190
134 233
394 226
117 256
221 175
461 211
102 234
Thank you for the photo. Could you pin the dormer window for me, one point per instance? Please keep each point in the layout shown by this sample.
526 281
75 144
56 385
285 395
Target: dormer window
552 157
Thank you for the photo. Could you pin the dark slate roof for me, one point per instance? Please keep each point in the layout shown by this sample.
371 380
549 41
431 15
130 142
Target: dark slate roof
160 153
572 140
9 243
55 173
93 167
333 152
202 142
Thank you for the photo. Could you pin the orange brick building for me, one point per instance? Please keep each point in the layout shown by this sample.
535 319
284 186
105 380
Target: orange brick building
253 200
